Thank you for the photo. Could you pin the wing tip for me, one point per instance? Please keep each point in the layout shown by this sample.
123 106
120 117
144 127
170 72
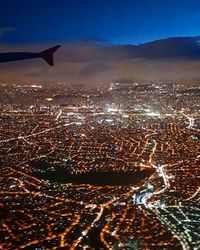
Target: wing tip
47 54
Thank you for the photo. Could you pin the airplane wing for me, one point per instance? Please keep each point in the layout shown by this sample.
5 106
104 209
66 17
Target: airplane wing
47 55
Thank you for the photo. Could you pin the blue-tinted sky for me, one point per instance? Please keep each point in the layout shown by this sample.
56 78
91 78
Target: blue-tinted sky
112 21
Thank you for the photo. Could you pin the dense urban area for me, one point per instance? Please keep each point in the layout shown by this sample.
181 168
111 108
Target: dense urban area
114 166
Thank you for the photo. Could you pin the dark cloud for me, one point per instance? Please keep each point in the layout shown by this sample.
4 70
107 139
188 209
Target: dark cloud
172 48
4 30
90 40
174 59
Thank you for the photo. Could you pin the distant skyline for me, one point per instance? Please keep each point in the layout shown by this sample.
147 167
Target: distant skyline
104 22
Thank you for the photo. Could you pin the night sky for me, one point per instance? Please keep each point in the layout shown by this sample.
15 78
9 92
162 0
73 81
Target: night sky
99 39
107 21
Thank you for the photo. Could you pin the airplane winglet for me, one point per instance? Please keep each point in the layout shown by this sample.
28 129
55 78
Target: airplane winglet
47 55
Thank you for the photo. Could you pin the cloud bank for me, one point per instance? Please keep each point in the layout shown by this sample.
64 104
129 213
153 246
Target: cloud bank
173 59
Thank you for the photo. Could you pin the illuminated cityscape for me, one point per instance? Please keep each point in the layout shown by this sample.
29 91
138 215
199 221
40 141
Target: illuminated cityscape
99 125
115 166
